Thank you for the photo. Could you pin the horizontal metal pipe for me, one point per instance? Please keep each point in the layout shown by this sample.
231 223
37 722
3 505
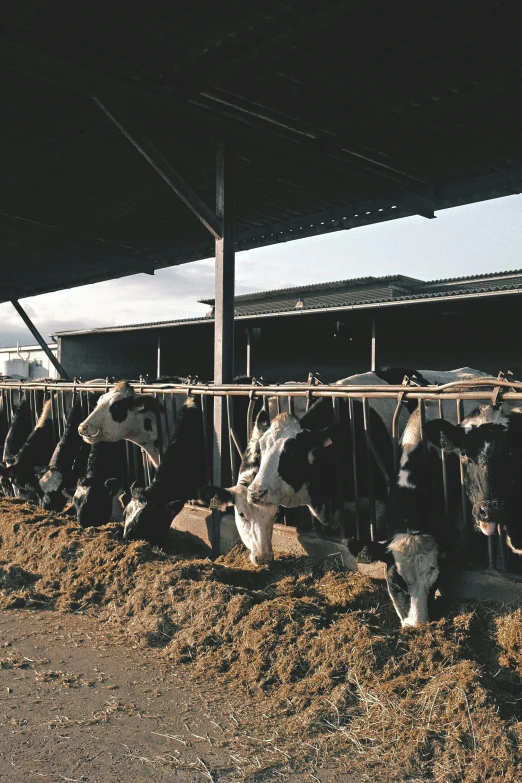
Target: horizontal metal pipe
375 392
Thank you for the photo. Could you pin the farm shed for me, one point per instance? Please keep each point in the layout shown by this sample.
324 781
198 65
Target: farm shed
325 328
27 361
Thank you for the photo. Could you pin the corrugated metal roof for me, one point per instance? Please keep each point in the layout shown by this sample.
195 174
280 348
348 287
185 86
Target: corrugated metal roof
379 295
341 113
350 282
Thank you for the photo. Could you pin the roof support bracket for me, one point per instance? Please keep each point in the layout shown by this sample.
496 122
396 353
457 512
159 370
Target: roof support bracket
36 334
166 171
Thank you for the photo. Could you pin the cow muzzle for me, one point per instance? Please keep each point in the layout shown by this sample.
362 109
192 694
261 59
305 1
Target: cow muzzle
489 514
90 437
262 559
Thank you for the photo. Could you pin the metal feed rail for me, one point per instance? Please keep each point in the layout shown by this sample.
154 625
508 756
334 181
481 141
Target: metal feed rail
137 466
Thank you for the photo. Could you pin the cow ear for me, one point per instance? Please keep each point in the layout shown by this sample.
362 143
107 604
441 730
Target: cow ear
41 472
216 497
146 402
262 423
136 488
112 485
174 507
320 440
444 434
124 498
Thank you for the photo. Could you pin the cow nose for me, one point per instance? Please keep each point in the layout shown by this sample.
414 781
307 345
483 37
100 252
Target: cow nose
260 560
82 429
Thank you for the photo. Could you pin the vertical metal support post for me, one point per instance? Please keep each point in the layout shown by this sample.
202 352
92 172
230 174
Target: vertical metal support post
370 467
354 467
395 432
444 468
248 335
158 359
204 418
224 316
231 444
336 403
374 355
465 531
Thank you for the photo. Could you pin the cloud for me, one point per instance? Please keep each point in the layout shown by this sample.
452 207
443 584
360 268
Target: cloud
473 239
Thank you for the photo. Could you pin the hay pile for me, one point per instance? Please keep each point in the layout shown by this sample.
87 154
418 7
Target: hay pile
315 656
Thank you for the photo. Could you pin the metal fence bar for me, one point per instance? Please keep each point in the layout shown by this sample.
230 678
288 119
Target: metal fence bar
358 525
138 467
396 431
464 501
444 466
336 403
370 465
206 444
231 438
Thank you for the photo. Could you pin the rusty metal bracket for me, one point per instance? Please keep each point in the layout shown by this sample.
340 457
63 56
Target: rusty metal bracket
497 392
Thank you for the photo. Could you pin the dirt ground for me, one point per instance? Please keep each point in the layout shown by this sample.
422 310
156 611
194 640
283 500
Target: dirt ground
77 705
125 662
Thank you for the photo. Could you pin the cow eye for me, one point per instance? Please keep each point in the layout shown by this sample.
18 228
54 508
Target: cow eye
243 516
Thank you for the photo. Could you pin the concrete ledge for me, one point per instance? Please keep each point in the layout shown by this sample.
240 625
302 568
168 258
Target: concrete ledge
455 583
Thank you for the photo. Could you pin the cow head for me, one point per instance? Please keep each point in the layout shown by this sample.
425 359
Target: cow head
146 518
23 480
412 569
489 441
51 486
287 453
93 501
121 414
254 524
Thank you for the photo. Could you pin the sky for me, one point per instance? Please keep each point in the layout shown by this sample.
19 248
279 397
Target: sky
474 239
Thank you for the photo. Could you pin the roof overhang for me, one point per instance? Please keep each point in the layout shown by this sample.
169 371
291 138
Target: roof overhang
339 118
300 313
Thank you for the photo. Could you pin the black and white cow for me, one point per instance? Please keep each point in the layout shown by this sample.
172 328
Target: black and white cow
412 569
489 442
16 436
66 465
122 414
299 458
33 455
150 512
254 523
255 520
93 497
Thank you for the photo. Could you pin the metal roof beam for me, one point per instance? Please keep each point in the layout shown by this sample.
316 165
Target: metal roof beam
353 215
162 167
38 337
201 75
85 82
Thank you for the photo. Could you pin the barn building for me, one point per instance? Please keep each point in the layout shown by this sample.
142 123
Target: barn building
334 329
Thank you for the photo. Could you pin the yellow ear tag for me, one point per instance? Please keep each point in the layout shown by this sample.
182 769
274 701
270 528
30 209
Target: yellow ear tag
214 503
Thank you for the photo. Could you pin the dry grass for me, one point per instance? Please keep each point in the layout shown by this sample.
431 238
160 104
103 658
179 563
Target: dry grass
320 671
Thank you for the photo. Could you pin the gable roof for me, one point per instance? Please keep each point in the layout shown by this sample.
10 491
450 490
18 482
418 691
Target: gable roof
340 295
